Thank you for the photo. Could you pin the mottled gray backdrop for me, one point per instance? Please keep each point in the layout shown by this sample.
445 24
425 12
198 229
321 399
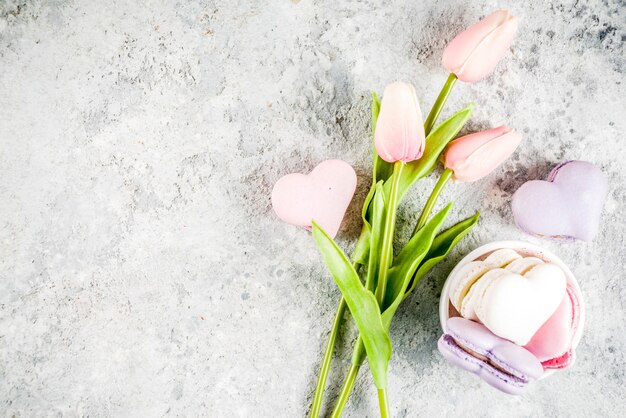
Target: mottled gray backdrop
142 270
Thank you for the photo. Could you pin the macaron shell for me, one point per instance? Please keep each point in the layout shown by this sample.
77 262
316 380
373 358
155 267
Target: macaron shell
457 356
472 272
472 300
465 279
502 364
516 360
561 362
555 335
494 377
502 257
566 207
523 265
515 307
552 344
322 195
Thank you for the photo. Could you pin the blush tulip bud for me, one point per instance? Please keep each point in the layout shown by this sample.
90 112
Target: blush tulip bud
473 54
474 156
399 134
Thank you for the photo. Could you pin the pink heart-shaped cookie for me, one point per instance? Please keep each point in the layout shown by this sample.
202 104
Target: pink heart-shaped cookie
567 206
322 195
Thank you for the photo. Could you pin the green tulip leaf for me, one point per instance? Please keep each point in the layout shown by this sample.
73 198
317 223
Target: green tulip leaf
442 245
362 304
362 247
407 262
377 225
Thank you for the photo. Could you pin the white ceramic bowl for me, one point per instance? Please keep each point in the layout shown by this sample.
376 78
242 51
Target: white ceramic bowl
526 249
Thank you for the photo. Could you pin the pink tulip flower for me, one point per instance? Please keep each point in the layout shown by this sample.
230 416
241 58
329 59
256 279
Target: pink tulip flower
474 53
399 134
474 156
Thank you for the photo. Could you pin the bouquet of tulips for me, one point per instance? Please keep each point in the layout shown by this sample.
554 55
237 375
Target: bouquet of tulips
375 282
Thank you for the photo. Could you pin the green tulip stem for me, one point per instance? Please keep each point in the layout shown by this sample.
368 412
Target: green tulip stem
432 199
386 252
433 115
346 389
358 356
328 357
383 402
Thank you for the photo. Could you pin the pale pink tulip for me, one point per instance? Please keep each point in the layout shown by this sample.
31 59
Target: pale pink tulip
474 53
399 134
474 156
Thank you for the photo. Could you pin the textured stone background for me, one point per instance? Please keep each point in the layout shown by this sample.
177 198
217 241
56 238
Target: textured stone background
142 271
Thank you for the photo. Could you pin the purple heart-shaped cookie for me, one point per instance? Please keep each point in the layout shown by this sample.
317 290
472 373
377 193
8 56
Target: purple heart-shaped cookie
566 206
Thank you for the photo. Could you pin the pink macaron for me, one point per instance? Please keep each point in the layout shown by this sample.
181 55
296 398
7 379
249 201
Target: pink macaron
552 343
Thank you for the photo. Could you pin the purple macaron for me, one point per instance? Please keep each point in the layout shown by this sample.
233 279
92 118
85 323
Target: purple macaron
566 207
504 365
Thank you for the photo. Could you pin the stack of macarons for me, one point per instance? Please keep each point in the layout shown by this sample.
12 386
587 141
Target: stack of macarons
509 316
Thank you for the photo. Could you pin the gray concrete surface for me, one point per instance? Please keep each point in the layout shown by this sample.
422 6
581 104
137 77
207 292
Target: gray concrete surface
142 271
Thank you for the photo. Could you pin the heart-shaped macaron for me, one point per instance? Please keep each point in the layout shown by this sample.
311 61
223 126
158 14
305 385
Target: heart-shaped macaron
566 206
515 306
552 343
465 278
473 297
322 195
499 362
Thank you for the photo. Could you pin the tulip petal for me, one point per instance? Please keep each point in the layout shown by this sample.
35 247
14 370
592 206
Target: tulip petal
462 148
461 47
399 134
487 55
474 53
487 157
